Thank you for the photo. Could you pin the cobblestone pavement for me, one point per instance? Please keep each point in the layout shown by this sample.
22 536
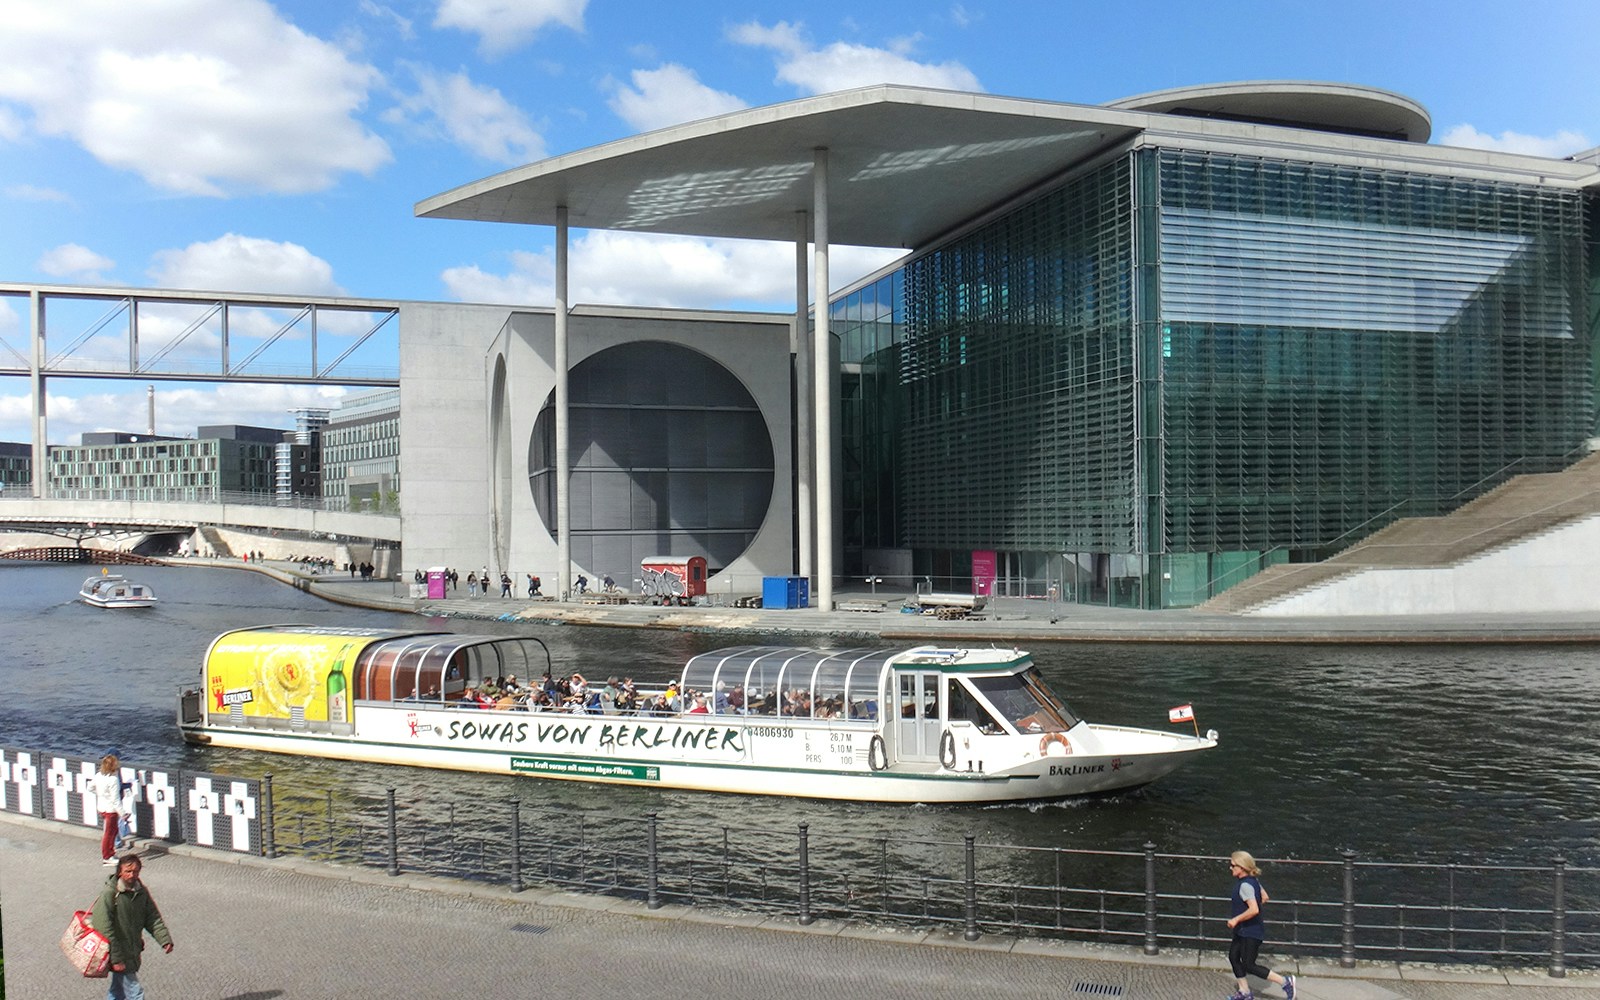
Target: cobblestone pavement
253 929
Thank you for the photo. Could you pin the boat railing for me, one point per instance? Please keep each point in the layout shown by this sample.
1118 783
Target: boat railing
1344 908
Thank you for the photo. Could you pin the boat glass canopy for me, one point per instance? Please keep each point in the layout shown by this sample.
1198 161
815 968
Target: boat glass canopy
793 682
439 666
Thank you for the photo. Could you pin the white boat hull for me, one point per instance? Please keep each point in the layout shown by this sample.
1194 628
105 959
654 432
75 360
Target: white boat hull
723 754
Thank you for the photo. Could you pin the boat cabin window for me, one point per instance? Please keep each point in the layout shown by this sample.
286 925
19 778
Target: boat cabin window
1025 701
788 682
964 707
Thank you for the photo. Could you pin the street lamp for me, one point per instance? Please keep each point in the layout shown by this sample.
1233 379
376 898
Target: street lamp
874 580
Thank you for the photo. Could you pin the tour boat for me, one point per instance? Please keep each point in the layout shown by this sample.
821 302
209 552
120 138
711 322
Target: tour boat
107 591
929 724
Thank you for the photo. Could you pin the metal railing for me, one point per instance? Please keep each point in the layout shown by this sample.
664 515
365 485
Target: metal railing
1345 910
190 494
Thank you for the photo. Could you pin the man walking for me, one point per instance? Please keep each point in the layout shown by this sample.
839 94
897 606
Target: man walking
123 913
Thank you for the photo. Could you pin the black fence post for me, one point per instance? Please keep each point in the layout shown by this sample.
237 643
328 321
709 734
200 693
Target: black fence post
972 890
1152 943
516 845
652 896
1347 949
394 837
805 874
1558 931
269 830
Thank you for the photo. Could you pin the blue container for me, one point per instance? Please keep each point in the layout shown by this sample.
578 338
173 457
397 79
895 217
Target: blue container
785 592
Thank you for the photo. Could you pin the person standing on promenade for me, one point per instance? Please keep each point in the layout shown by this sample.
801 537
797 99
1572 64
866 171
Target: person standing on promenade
123 912
107 784
1249 930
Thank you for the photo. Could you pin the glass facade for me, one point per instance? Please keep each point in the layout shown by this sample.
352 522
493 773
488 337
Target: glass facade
1179 367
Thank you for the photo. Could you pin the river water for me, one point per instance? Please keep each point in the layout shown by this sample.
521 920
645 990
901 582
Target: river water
1452 753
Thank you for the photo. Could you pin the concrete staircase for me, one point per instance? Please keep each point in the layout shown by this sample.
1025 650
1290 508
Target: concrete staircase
1514 511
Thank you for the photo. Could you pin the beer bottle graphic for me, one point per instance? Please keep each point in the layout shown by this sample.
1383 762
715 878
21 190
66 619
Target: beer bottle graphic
338 700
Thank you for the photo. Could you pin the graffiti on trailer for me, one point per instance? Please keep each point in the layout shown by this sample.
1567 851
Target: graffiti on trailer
660 583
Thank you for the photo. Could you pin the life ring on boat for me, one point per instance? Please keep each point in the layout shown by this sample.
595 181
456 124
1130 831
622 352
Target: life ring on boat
1049 738
877 755
947 750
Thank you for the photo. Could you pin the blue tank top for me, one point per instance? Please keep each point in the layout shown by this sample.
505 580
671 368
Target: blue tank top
1255 927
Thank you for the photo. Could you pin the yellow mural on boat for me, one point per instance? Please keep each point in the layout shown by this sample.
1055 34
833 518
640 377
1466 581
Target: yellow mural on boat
285 678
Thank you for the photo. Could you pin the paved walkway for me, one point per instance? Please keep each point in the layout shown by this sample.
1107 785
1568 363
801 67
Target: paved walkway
1007 619
252 929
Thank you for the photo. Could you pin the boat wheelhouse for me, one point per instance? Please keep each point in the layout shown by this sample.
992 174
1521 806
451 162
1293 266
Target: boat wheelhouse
929 724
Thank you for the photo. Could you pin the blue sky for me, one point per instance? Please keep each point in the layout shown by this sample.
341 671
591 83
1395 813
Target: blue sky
242 145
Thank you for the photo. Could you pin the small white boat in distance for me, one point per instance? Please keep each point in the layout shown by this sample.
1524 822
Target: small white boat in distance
110 591
930 724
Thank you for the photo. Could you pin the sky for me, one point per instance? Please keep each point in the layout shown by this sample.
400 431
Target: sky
253 146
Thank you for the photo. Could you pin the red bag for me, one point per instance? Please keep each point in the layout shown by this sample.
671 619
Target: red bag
86 948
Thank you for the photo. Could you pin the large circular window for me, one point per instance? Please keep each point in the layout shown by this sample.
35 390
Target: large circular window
669 453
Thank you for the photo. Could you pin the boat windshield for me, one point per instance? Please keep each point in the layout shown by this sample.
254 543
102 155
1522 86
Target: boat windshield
1025 701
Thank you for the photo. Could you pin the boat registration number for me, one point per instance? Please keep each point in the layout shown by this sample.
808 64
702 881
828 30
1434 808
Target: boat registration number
780 731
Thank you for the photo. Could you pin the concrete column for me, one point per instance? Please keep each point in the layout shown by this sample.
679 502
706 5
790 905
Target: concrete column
804 449
823 382
36 387
563 458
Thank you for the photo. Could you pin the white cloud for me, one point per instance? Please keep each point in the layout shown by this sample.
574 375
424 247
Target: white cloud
505 25
843 65
190 100
28 192
69 260
1563 144
181 408
668 95
478 119
11 127
234 263
612 268
402 25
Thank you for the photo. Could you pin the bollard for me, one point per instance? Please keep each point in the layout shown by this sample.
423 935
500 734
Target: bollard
972 890
1347 948
394 838
269 832
516 845
1558 930
805 875
1152 944
652 896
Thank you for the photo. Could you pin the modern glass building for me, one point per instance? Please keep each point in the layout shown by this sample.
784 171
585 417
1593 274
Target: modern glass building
1178 367
1135 352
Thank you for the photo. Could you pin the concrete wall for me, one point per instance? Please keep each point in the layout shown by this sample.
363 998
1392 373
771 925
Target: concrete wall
466 502
1547 573
444 462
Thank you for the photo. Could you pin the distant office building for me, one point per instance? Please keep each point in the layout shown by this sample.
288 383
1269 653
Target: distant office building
220 459
361 450
16 466
297 460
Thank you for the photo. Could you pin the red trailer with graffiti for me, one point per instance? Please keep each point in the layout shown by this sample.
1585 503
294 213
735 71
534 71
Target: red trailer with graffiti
672 579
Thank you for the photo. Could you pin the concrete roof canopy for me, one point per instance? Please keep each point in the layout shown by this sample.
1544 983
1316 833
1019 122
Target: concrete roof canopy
908 165
904 165
1326 107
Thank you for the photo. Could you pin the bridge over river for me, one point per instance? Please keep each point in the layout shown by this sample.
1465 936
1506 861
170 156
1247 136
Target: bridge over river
81 517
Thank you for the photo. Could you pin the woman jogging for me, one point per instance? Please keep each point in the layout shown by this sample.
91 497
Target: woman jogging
1249 930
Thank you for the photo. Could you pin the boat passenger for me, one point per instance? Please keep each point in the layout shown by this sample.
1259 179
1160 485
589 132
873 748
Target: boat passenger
699 706
720 702
469 697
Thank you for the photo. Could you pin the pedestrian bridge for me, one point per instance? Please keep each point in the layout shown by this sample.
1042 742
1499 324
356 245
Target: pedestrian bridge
86 517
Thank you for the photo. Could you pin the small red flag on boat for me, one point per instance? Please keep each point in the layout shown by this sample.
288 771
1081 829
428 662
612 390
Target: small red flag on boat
1183 713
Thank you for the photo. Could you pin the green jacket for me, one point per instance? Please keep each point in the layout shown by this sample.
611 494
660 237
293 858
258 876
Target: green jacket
123 917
